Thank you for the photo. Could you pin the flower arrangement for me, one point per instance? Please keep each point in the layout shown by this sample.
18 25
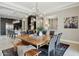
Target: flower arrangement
40 28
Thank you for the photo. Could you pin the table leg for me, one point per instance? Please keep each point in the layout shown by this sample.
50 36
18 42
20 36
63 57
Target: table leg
37 46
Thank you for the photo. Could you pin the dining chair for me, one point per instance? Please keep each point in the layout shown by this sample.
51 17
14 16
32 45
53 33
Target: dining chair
32 52
10 34
51 34
44 32
14 34
58 39
26 50
52 46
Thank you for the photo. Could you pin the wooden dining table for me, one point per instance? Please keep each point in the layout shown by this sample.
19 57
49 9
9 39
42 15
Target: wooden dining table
34 41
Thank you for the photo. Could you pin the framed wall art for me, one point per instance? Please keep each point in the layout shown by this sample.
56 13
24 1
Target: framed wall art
71 22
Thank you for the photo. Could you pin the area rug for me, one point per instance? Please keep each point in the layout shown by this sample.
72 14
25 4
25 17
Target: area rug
10 52
59 51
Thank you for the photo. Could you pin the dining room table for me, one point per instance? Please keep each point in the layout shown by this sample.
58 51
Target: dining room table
34 40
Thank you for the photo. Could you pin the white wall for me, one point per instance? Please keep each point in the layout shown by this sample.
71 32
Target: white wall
68 34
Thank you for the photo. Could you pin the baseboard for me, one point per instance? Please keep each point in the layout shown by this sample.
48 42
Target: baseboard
70 41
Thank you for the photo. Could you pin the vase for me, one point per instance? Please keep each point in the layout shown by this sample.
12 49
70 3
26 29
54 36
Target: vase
40 33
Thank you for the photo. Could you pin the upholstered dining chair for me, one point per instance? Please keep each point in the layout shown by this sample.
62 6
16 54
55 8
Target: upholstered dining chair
26 50
58 39
52 46
51 34
51 49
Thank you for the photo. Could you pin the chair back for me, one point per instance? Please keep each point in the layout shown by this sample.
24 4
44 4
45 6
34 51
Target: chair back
51 34
58 39
52 45
44 32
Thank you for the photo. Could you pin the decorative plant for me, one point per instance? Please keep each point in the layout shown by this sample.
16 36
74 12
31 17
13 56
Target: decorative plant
40 28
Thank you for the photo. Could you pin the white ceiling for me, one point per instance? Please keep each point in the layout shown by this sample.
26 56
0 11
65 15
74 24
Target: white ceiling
44 7
22 9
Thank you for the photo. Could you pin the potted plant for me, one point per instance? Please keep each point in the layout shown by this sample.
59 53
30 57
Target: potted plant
39 30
